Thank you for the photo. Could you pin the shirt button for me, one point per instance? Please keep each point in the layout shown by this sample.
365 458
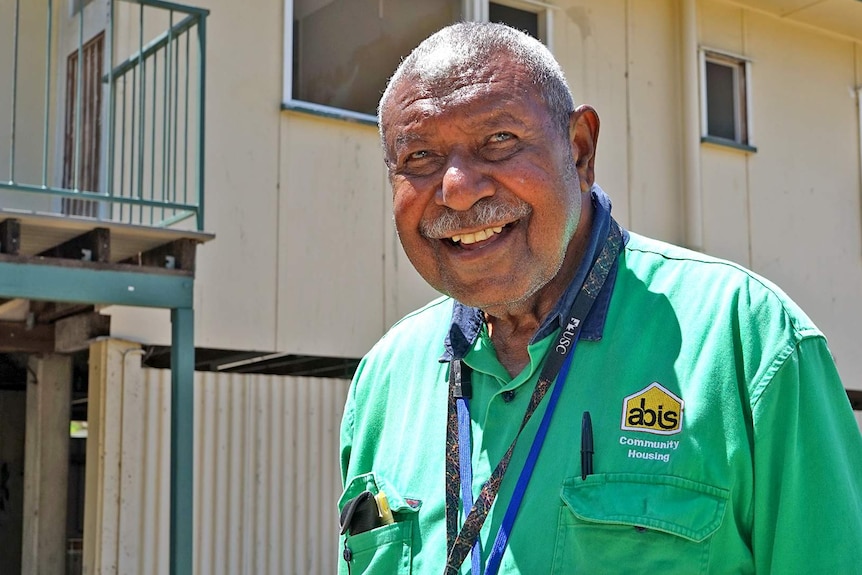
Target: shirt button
508 395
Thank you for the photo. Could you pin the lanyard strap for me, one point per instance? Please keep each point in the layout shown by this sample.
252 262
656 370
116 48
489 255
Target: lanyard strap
459 543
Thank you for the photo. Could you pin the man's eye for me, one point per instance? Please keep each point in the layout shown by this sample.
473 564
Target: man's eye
421 154
501 137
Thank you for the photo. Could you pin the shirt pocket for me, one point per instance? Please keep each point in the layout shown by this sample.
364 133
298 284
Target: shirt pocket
639 523
386 549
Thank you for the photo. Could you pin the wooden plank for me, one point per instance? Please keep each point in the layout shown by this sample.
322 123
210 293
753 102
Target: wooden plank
95 266
10 236
41 232
92 246
50 311
75 333
15 309
16 338
113 375
63 222
46 464
178 255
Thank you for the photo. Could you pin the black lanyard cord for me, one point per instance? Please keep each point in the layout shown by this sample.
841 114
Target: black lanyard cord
460 543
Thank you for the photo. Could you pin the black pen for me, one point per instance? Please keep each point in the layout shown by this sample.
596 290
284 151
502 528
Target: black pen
586 445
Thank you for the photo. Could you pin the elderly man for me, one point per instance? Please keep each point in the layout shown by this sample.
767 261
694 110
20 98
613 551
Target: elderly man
584 400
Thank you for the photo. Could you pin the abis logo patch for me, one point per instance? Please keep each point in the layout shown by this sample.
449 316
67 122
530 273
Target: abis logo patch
653 409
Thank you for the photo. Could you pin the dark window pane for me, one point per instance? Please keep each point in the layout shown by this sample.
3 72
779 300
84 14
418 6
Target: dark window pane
720 94
518 19
345 50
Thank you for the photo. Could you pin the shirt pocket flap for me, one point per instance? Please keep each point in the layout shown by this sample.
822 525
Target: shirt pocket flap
665 503
375 483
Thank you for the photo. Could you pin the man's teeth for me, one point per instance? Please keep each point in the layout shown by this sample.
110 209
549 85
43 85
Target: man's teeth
478 236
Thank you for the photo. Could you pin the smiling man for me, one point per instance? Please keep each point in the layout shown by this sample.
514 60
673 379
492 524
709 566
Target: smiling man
584 399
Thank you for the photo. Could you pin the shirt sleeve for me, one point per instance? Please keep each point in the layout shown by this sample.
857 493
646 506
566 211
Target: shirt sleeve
807 515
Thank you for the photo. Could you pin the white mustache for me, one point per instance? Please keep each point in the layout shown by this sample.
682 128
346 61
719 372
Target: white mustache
485 213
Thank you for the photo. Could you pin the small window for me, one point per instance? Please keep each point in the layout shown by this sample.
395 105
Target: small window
343 51
725 99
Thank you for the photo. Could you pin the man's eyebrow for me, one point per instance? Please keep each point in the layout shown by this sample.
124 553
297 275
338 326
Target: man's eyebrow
496 118
406 138
490 121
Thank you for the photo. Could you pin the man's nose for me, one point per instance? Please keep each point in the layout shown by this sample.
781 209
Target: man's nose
464 184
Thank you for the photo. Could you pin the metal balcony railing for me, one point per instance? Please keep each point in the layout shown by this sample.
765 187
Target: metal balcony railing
104 110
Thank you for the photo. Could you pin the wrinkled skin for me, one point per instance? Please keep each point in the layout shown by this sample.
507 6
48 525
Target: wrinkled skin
488 140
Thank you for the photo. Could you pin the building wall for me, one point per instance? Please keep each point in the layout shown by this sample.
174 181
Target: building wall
791 211
306 259
28 99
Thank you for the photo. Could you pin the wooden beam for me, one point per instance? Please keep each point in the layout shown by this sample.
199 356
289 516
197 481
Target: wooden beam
16 309
178 255
16 338
10 236
76 332
93 246
46 464
51 311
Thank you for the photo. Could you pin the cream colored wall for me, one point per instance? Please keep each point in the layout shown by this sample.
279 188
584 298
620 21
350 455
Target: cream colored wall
30 106
236 283
791 211
620 56
332 222
306 259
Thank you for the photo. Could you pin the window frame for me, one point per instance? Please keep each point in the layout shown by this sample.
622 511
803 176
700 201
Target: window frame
473 10
742 104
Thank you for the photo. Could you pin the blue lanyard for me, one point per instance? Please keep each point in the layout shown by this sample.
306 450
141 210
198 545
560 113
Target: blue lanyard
556 368
492 566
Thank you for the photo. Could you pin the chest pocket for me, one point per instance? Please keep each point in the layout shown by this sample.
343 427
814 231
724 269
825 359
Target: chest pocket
386 549
639 523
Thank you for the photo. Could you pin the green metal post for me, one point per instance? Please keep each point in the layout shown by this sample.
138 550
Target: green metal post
14 91
202 87
47 112
182 441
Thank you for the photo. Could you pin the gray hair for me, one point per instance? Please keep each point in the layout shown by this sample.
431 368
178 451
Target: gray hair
458 49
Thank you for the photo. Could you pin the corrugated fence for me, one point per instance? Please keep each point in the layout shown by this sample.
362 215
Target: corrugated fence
266 474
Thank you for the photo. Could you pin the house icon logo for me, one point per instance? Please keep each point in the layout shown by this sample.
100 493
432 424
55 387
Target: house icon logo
653 409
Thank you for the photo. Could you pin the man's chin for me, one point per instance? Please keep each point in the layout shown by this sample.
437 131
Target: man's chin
490 297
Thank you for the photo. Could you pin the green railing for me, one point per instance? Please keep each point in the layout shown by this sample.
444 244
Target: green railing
103 124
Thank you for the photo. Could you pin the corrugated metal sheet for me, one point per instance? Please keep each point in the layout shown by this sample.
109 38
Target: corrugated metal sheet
266 474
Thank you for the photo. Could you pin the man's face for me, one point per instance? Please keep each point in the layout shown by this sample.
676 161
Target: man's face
485 189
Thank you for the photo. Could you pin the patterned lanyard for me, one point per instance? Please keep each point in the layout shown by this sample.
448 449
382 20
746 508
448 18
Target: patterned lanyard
459 544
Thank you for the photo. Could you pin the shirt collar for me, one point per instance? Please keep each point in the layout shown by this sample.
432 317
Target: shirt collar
467 321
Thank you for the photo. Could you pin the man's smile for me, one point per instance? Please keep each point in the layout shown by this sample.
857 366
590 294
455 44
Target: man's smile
479 236
469 241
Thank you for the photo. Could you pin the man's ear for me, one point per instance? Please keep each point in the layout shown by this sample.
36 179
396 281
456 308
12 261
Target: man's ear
584 134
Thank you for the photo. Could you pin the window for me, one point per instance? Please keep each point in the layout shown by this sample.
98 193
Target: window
725 95
525 20
340 53
343 51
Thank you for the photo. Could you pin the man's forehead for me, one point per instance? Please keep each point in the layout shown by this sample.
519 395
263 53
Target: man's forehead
429 90
478 106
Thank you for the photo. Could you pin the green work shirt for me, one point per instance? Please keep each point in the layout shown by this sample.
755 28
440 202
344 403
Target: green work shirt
724 441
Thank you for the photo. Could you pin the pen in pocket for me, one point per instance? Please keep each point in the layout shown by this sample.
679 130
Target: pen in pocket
586 445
